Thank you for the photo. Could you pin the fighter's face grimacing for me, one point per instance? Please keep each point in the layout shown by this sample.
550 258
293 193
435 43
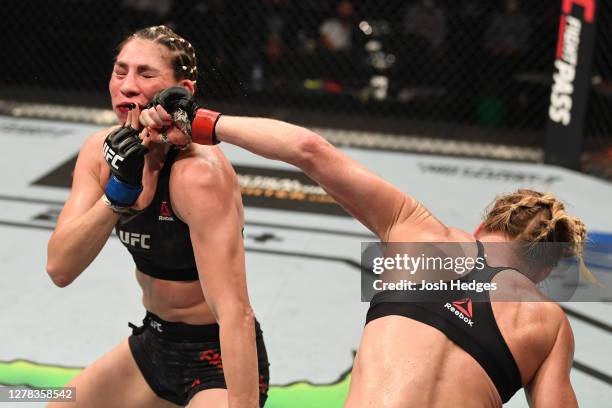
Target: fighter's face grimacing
142 68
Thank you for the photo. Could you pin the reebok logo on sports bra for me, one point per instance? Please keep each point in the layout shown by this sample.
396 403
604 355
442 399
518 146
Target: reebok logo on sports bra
462 309
164 212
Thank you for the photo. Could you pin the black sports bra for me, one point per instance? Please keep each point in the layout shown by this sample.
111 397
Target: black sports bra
157 239
470 324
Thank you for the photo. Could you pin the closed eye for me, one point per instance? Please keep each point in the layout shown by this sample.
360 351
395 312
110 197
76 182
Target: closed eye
119 70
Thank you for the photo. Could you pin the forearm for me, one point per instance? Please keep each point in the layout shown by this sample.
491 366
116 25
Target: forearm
269 138
561 398
237 335
75 244
352 185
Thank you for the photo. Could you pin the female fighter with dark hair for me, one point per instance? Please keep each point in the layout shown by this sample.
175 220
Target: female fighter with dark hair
179 213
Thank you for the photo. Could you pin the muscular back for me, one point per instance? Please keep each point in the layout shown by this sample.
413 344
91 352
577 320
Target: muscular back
405 363
410 364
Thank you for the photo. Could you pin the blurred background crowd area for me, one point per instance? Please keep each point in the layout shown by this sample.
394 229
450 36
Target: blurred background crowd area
459 69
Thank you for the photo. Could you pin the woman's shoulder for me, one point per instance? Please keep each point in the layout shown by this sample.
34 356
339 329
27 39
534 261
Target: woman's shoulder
201 169
96 139
202 162
202 179
91 151
429 229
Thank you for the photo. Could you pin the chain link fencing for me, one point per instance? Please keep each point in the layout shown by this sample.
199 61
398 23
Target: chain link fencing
598 135
470 71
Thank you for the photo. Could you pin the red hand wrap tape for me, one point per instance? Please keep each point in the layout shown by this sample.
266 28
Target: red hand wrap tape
203 127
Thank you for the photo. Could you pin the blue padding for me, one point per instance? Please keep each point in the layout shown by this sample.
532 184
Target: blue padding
122 193
600 237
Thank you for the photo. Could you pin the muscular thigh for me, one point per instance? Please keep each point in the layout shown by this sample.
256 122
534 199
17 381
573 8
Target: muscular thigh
113 381
212 398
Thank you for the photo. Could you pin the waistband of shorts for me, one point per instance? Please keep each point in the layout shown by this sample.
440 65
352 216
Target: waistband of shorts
179 331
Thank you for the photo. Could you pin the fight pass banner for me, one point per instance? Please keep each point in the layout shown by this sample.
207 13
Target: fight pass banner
571 82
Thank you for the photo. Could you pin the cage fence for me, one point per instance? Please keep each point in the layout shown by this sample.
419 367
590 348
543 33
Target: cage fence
470 71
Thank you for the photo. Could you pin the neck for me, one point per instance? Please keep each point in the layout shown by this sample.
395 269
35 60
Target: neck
502 251
497 247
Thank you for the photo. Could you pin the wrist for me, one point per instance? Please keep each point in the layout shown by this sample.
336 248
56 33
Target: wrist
203 127
115 208
121 194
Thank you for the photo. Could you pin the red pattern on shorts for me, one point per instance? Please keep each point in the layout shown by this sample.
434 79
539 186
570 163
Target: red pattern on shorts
263 387
212 357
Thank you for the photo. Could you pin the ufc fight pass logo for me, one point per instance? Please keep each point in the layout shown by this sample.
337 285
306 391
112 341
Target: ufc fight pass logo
112 157
568 48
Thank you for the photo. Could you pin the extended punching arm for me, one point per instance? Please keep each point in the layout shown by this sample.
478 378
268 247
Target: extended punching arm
195 122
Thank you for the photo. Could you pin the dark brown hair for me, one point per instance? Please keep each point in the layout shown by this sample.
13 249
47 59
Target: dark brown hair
183 56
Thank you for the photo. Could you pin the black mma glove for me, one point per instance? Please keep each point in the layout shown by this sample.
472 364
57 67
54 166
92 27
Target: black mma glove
197 123
124 154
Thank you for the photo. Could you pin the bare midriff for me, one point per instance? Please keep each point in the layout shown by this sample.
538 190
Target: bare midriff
175 301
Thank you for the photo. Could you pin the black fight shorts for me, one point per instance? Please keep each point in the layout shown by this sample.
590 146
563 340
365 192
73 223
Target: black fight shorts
178 360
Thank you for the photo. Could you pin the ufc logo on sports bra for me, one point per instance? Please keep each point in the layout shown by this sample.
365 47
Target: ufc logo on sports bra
156 326
111 157
135 239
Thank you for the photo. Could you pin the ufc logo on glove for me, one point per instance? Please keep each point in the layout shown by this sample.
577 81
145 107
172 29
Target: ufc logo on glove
111 157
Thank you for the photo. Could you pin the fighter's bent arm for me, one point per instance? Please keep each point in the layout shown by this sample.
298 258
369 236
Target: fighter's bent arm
85 222
373 201
203 197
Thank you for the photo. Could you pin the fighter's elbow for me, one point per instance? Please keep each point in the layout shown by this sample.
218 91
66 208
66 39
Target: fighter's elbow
241 311
310 149
59 277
